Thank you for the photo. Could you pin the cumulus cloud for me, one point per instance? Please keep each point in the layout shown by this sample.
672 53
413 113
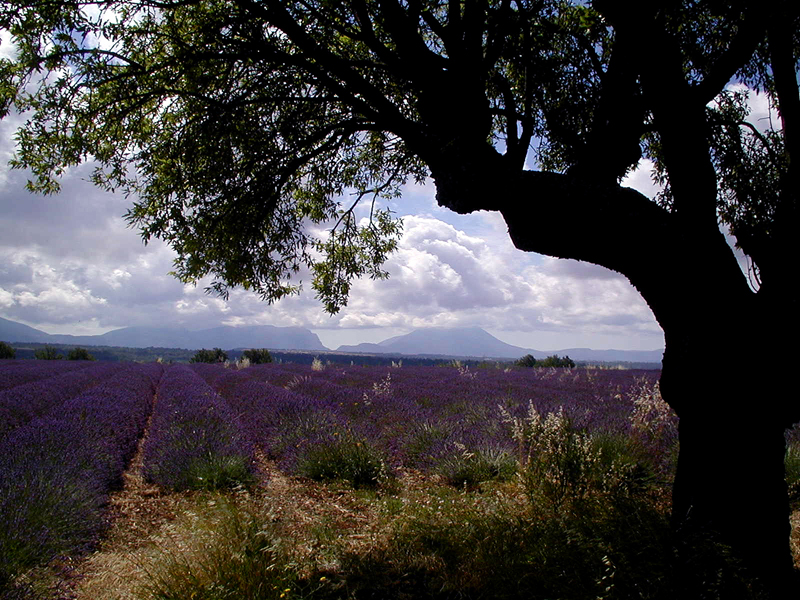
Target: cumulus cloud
443 276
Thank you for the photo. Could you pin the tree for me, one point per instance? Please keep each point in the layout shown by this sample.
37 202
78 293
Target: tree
556 361
217 355
79 354
257 356
526 361
234 124
48 353
7 351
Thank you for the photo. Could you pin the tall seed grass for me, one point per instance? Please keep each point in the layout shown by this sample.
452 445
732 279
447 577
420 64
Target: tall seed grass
221 550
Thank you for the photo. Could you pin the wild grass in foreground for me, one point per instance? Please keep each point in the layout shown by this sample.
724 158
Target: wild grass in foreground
581 516
432 541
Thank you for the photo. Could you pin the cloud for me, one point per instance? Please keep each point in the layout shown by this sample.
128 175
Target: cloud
443 276
69 264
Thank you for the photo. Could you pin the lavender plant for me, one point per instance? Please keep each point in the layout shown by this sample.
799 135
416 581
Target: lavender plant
17 372
195 440
56 471
22 403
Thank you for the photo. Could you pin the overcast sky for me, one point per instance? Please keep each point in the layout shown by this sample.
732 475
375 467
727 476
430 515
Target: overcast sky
69 264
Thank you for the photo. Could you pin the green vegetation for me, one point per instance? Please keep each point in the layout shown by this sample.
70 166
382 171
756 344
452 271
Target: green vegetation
79 354
257 357
216 355
526 361
217 473
7 351
229 551
556 361
344 458
470 469
48 353
551 361
587 538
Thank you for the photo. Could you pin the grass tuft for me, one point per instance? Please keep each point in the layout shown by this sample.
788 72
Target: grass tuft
469 469
344 458
225 551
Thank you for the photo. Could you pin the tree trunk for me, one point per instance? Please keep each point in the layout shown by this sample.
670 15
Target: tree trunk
730 501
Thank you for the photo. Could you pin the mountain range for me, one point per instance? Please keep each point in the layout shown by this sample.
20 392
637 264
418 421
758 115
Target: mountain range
257 336
474 342
455 342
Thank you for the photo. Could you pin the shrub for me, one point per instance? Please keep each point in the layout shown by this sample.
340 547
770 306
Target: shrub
348 459
468 469
257 356
556 361
526 361
7 351
217 355
79 354
219 472
48 353
559 463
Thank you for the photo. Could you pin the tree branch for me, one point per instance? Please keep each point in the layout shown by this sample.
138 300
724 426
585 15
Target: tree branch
750 35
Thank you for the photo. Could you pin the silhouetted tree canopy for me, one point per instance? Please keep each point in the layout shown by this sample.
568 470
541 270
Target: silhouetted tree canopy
48 353
526 361
79 354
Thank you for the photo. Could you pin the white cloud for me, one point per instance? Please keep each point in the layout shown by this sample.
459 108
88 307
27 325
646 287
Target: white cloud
641 179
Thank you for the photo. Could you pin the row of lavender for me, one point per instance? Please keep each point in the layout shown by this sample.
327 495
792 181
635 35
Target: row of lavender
34 388
57 470
17 372
195 440
422 417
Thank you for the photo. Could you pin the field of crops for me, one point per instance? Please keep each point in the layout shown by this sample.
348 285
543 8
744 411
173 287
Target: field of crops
431 469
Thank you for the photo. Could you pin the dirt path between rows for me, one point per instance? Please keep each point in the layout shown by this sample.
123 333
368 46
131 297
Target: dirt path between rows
145 520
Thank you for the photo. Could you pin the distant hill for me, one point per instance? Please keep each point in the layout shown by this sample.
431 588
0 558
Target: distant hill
447 341
226 337
474 342
435 342
11 331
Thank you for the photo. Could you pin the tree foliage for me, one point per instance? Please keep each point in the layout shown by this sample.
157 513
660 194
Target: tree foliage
251 125
257 356
78 353
48 353
526 361
7 351
217 355
556 361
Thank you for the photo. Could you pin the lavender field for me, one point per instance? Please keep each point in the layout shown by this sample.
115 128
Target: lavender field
334 482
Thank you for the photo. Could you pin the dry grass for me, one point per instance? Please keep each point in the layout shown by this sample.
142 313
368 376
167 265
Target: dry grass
323 522
147 521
